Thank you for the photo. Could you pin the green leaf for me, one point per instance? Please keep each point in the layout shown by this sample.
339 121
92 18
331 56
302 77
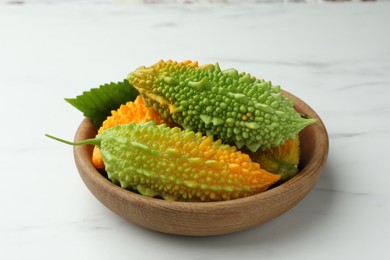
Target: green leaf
97 103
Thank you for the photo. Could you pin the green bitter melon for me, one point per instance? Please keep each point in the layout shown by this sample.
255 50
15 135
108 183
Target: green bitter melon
234 107
177 164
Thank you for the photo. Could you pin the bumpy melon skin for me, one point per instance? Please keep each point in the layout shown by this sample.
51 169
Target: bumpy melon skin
130 112
179 164
228 105
282 160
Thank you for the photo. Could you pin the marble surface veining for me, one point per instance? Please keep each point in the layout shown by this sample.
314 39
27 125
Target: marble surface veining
336 57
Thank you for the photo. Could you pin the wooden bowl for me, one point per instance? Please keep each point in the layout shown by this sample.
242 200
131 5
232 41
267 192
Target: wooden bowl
208 218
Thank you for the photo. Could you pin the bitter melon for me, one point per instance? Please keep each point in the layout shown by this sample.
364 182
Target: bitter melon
234 107
130 112
177 164
282 160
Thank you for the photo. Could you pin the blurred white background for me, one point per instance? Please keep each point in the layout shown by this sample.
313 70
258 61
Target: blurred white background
180 1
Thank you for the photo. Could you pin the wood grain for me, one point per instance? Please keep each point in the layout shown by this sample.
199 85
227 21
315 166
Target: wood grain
209 218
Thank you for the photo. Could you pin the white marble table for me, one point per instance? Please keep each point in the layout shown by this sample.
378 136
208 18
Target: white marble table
336 57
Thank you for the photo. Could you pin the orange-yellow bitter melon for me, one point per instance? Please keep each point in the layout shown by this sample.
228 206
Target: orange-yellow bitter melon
234 107
177 164
130 112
